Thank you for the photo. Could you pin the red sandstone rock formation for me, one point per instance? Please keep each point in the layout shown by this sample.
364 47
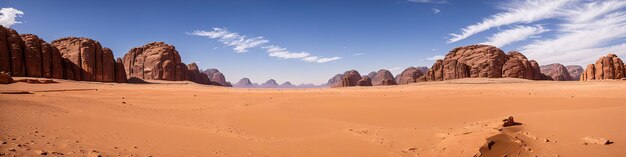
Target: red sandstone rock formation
155 61
409 75
85 59
383 77
482 61
574 71
365 81
556 72
216 77
606 68
350 78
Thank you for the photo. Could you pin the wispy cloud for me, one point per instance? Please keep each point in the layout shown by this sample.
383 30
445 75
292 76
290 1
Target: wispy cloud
242 43
8 16
435 10
394 68
515 12
515 34
580 30
429 1
358 54
436 57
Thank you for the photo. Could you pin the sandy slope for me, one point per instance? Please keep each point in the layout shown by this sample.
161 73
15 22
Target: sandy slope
454 118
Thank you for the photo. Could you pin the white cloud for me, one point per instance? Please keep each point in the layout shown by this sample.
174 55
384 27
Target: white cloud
435 10
277 51
435 57
241 44
8 15
329 59
394 68
518 33
429 1
358 54
517 12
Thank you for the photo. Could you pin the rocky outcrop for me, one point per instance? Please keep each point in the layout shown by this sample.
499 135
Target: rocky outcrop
194 74
607 67
371 75
574 71
155 61
335 81
11 52
216 76
28 55
383 77
85 59
409 75
482 61
350 78
120 73
556 72
365 81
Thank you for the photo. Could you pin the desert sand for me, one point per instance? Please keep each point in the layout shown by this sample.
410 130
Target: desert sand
451 118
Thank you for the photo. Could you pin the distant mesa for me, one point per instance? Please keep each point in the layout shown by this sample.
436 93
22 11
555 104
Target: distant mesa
365 81
244 82
271 83
557 72
350 78
287 85
216 77
335 80
609 67
575 71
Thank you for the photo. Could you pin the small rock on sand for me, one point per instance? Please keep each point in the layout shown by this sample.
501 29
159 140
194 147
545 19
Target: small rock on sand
596 140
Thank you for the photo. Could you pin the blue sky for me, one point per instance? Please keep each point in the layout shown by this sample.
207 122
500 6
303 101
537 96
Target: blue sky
310 41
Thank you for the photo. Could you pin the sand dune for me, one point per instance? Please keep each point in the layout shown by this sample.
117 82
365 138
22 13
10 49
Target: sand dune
451 118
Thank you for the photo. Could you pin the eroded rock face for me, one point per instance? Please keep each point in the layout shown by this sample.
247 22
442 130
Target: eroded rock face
410 75
482 61
383 77
556 72
120 72
86 60
271 83
335 81
155 61
194 74
350 78
575 71
365 81
606 68
11 60
216 76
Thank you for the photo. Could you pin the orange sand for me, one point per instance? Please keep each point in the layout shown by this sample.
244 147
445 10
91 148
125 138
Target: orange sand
452 118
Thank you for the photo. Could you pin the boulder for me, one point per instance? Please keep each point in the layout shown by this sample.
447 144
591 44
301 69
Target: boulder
350 78
607 67
409 75
383 77
482 61
365 81
556 72
155 61
5 78
575 71
85 59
